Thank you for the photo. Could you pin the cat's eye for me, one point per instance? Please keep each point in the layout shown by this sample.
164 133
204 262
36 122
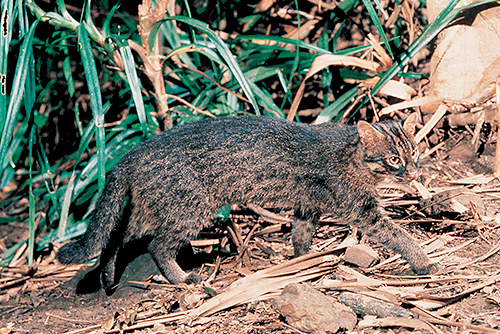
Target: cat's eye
414 154
394 160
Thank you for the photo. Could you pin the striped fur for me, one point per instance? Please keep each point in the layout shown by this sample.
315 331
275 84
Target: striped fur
168 188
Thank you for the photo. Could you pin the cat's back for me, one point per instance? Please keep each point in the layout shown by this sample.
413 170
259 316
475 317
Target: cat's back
251 131
244 140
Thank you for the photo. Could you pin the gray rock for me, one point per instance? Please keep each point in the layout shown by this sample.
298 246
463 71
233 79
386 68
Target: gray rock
312 311
364 305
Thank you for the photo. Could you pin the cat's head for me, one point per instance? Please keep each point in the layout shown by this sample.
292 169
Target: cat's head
390 151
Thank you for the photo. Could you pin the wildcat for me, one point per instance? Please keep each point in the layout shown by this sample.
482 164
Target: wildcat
168 188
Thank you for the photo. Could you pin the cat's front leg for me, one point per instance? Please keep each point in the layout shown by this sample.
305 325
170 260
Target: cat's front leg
395 238
302 234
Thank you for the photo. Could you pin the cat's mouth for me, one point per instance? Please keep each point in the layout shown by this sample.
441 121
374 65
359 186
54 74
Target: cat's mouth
404 179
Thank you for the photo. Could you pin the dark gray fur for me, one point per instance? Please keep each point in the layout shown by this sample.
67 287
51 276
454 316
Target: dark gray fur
172 184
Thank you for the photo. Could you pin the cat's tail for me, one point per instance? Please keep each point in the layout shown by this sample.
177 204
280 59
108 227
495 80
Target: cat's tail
105 219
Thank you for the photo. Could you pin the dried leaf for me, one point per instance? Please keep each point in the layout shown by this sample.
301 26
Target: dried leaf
379 51
476 179
262 282
431 123
407 104
110 322
392 88
324 61
395 322
264 5
8 329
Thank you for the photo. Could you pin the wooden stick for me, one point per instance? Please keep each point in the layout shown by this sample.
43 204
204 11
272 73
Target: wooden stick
497 151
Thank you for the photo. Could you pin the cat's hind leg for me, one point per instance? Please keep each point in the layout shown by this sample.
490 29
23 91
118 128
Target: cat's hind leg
173 234
108 273
164 256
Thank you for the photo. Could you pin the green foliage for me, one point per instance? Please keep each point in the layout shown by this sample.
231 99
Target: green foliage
75 97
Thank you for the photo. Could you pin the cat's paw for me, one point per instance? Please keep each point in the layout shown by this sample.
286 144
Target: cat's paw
429 269
193 278
434 268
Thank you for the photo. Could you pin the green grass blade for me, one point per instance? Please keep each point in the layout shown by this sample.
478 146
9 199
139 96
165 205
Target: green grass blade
31 210
15 151
62 8
107 23
95 101
92 30
304 45
68 74
381 8
132 79
221 47
68 195
22 18
17 94
335 109
7 19
30 90
378 25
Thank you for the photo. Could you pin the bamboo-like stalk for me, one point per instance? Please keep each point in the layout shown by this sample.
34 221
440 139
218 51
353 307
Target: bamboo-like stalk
152 59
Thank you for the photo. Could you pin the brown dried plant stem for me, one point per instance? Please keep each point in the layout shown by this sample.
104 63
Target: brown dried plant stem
497 152
152 59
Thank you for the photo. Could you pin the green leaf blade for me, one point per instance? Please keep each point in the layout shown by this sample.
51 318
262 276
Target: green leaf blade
95 100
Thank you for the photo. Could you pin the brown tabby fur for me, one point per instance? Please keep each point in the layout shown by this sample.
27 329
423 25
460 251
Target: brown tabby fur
168 188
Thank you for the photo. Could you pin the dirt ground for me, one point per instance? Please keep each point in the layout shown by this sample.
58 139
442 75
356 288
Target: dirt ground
455 206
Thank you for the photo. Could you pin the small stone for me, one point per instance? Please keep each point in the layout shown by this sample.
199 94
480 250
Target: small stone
361 255
364 305
312 311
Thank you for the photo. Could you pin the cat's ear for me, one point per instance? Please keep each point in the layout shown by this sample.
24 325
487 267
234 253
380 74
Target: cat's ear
368 134
410 123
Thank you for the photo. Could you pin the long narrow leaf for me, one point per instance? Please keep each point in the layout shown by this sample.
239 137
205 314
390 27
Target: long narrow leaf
62 7
378 25
6 23
68 195
90 26
95 101
132 78
32 227
106 27
335 109
30 90
221 48
15 151
17 93
22 17
307 46
67 68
